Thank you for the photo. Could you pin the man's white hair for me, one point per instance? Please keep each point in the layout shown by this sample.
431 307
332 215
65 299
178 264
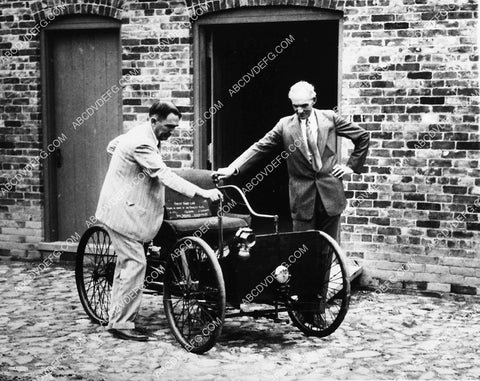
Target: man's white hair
302 87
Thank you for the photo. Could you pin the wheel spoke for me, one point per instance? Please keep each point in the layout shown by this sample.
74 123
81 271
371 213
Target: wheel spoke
321 311
194 281
95 266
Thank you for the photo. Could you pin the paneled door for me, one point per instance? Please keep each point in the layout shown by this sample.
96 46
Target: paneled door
85 70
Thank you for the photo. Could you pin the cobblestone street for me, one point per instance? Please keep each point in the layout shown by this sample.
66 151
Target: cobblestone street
45 332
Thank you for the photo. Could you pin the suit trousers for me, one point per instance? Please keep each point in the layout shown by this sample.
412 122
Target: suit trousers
330 225
320 221
127 282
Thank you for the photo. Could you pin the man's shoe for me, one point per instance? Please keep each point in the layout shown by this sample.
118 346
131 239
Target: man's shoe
144 331
128 334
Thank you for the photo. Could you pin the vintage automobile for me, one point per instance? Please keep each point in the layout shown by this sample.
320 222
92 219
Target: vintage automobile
209 265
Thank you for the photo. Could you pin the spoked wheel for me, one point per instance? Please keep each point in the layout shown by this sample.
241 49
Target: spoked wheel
94 271
320 313
194 294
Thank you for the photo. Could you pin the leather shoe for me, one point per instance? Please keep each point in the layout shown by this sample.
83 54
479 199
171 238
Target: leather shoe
128 334
143 331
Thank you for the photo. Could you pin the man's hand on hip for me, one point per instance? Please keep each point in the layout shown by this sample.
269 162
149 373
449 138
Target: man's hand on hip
341 170
212 194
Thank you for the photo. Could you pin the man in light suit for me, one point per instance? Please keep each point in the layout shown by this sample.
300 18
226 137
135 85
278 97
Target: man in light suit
131 207
317 196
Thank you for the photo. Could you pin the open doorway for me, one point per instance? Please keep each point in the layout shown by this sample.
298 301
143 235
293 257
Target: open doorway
231 51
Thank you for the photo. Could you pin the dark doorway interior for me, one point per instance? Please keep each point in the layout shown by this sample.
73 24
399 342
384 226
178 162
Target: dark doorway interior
247 115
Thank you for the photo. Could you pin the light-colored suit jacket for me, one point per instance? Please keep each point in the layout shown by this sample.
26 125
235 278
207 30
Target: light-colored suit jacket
304 182
133 193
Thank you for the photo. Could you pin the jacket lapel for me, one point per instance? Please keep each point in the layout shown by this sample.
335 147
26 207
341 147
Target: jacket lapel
322 132
297 135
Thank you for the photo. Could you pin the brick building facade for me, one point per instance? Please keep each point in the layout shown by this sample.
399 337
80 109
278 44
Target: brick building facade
407 72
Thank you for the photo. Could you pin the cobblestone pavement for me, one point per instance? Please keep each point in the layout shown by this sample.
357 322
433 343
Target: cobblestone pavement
384 336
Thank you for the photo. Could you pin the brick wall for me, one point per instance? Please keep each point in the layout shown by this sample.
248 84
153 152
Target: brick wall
20 133
161 50
409 77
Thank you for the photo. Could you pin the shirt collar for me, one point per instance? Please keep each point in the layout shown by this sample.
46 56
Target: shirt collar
154 137
311 119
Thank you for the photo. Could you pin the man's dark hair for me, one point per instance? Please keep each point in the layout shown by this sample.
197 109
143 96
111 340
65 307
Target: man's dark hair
163 109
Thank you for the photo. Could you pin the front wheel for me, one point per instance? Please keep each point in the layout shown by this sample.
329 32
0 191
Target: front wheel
194 294
94 271
322 311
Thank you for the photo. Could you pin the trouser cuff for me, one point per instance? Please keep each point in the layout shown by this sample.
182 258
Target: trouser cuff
126 325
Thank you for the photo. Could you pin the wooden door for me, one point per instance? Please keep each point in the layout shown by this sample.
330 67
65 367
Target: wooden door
85 73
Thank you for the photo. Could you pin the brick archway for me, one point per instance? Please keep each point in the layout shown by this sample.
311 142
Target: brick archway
208 6
49 9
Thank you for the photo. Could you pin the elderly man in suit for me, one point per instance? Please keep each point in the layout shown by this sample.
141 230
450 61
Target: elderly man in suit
131 207
316 190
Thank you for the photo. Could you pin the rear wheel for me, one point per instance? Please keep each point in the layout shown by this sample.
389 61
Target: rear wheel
194 295
321 312
94 271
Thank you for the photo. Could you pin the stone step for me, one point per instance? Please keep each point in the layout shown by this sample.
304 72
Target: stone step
355 268
67 250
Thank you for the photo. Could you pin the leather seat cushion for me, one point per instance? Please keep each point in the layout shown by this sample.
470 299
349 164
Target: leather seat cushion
190 225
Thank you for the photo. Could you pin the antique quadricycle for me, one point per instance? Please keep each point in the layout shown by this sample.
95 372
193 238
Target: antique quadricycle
208 264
